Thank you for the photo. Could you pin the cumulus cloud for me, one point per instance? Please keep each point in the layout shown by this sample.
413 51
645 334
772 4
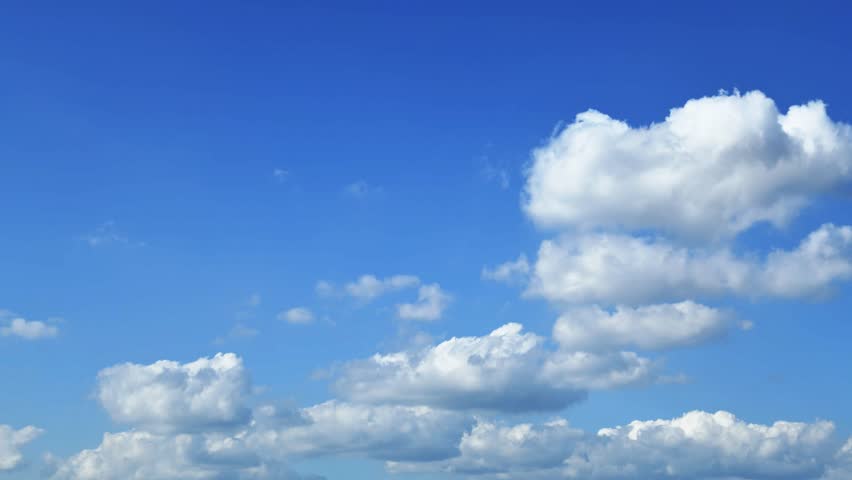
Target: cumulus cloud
713 168
168 396
11 441
495 448
701 444
506 370
141 455
430 304
508 272
384 432
696 445
368 287
613 269
298 315
28 329
650 327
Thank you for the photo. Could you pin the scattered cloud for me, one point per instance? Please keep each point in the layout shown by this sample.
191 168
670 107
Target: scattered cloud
11 441
108 234
430 305
713 168
28 329
297 315
497 175
508 272
368 287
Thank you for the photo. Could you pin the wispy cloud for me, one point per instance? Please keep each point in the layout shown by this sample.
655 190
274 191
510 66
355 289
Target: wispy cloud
361 189
108 233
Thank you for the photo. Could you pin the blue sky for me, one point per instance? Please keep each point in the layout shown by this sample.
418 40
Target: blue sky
178 176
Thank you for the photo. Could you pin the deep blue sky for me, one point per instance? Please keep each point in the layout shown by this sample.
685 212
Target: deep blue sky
162 123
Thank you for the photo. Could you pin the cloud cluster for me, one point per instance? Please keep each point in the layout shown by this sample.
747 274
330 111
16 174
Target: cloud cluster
507 370
190 441
647 218
697 445
710 170
11 441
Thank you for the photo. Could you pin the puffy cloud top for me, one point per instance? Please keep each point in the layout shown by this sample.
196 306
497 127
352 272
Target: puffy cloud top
506 370
711 169
169 396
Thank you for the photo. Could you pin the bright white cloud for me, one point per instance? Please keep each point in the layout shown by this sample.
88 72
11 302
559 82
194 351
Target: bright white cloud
619 269
710 170
167 396
650 327
697 445
507 370
508 272
28 329
705 445
368 287
11 441
430 304
297 315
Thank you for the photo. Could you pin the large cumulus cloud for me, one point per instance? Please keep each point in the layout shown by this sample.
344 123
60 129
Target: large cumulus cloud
713 168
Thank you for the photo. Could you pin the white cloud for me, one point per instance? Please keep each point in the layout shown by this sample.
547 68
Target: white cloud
508 272
141 455
167 396
650 327
712 169
430 305
613 269
28 329
697 445
368 287
385 432
507 370
11 441
297 315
